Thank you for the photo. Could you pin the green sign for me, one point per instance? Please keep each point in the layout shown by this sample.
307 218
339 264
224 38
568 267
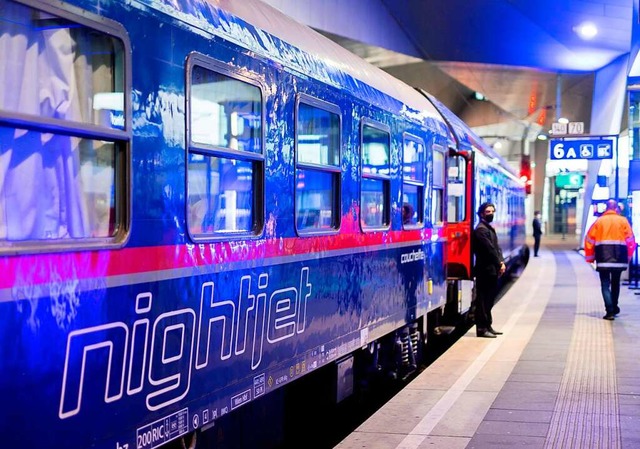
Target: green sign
569 180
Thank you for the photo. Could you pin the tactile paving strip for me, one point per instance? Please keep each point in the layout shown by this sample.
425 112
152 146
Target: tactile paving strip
586 411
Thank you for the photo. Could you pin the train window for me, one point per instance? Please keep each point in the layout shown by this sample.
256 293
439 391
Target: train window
375 193
438 169
317 166
413 186
225 162
437 195
456 188
221 197
225 112
437 206
64 130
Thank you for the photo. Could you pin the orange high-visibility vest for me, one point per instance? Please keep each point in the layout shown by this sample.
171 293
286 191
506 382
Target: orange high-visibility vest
610 241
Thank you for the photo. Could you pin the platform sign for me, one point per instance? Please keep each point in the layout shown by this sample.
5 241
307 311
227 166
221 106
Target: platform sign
572 128
576 127
558 128
569 180
593 147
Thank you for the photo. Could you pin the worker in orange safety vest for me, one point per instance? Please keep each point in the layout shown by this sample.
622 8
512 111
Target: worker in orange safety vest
610 243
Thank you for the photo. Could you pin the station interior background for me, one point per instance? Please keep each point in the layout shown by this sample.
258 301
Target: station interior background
511 69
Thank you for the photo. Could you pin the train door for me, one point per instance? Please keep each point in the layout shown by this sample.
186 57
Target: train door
459 214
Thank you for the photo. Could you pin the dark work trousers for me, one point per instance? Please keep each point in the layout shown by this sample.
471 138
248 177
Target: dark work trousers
610 286
536 244
486 290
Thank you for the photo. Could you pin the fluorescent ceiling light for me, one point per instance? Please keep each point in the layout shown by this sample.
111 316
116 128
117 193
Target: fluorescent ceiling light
586 30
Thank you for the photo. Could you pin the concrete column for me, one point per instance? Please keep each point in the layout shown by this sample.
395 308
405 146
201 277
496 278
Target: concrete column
609 101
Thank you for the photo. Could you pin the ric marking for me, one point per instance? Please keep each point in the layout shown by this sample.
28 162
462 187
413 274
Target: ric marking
151 354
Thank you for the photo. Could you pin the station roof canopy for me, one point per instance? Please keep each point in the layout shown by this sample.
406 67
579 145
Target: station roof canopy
525 57
541 34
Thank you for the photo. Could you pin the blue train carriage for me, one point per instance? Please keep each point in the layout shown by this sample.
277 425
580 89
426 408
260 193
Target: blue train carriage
200 205
475 174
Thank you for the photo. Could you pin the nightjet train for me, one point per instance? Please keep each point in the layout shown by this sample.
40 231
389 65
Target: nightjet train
202 201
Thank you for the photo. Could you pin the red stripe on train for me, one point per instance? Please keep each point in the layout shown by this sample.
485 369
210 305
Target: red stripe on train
23 271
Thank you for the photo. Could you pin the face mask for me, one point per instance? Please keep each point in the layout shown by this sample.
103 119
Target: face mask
488 218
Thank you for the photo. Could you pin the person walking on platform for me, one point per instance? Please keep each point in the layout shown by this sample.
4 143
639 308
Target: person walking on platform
537 232
610 243
489 266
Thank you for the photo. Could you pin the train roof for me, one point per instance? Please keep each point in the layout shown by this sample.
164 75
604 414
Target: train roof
466 139
265 30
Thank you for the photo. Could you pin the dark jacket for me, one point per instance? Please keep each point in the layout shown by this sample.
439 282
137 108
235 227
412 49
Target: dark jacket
487 250
537 227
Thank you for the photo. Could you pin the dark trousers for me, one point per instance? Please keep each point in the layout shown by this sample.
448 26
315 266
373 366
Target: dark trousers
486 290
610 286
536 244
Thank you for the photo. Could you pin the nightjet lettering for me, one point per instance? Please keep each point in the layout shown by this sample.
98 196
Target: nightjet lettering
151 353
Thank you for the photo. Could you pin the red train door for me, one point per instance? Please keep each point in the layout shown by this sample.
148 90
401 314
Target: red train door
459 214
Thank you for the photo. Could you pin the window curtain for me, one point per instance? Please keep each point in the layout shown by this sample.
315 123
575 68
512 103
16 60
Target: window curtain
45 73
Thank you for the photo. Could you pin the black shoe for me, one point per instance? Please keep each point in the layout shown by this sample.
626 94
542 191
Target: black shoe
608 317
617 311
495 332
536 256
485 334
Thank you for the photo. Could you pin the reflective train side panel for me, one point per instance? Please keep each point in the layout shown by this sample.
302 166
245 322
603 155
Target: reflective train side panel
194 211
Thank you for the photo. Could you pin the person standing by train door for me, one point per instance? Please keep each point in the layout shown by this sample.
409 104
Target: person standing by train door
537 232
489 266
610 243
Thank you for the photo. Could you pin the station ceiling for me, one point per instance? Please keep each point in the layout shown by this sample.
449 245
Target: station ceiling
528 33
524 56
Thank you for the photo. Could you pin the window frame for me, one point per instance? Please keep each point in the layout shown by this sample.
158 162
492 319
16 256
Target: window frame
437 149
121 139
386 179
257 160
336 171
421 185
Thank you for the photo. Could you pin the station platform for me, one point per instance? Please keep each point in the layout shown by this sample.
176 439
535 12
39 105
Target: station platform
559 377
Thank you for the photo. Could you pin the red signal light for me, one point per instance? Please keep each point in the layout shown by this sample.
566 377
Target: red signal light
525 173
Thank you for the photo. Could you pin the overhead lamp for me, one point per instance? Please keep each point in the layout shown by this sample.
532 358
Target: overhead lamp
542 137
479 96
563 120
497 145
586 30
